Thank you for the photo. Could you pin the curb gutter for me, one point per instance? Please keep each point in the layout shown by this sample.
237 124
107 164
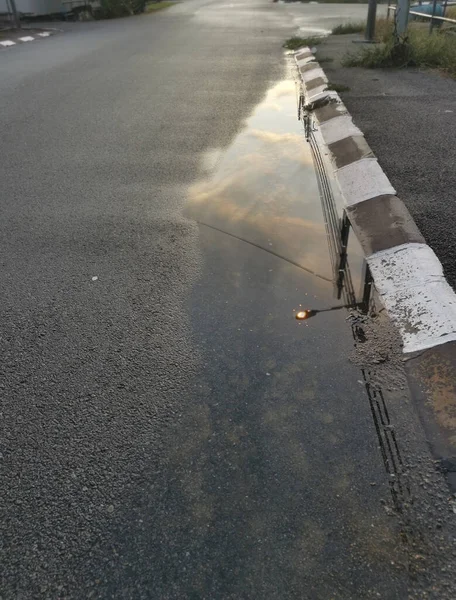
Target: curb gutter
407 274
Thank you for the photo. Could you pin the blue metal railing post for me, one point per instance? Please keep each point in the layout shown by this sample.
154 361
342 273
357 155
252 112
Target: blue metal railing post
431 25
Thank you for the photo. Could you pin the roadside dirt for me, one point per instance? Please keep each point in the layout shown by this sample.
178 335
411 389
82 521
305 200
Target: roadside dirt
420 495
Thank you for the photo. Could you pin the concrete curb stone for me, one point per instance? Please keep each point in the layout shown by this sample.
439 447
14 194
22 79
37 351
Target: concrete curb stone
406 272
384 223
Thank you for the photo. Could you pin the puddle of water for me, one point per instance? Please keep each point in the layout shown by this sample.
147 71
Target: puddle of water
273 480
263 190
263 187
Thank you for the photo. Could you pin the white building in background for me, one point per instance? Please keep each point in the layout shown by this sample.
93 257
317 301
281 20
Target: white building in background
40 7
35 7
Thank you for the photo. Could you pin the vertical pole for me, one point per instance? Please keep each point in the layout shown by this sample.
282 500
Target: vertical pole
16 20
431 24
402 16
367 288
370 25
444 7
344 232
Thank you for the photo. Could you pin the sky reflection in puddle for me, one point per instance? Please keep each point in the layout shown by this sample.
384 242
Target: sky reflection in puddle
263 188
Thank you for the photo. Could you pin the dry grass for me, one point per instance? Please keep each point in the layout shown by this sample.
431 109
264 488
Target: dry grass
418 49
295 43
154 6
338 87
384 30
450 12
349 28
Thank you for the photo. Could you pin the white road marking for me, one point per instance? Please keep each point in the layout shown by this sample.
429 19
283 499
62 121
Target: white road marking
27 38
363 179
7 43
338 129
410 280
44 34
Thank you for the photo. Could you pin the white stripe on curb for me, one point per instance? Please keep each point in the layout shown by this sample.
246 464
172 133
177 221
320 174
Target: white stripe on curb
340 108
338 129
410 280
362 180
313 74
27 38
318 92
7 43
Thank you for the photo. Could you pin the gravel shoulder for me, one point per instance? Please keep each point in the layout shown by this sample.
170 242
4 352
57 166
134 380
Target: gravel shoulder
409 119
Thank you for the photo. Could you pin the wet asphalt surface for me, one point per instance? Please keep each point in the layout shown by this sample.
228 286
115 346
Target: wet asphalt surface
169 430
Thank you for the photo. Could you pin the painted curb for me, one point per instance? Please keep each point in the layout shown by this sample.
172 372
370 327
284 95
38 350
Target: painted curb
406 272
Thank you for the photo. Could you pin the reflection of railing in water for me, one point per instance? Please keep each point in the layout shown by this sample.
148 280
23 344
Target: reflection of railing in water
386 436
338 229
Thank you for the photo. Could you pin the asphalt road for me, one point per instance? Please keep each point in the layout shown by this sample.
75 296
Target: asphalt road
169 430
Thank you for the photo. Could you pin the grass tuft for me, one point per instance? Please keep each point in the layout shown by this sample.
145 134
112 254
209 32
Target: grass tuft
338 87
295 43
384 30
154 6
349 28
418 49
450 12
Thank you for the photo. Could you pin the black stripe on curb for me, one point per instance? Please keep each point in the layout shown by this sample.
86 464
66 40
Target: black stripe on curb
330 111
309 67
349 150
305 54
314 83
381 223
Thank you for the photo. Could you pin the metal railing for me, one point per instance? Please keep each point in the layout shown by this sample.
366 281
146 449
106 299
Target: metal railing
433 17
12 15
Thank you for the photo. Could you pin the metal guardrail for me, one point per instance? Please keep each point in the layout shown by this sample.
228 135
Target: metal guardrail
433 17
